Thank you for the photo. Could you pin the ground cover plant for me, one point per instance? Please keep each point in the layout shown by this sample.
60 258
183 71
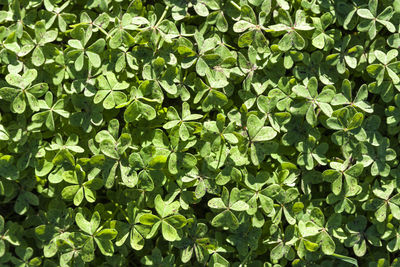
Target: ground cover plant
199 133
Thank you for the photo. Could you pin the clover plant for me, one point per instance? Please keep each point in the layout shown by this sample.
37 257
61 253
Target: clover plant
199 133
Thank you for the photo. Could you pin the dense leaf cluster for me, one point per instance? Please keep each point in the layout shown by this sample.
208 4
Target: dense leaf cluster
199 133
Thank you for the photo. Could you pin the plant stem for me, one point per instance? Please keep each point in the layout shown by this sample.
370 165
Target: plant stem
103 31
236 5
109 219
162 17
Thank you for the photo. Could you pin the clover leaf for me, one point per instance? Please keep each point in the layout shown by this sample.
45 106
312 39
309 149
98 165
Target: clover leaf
47 116
55 227
131 230
322 38
256 195
335 177
228 202
25 257
79 50
253 28
114 146
156 258
8 233
168 219
53 13
346 97
80 189
183 122
257 132
359 236
371 18
194 243
109 91
383 201
93 232
42 37
292 38
312 99
23 91
175 150
386 68
310 151
321 229
345 56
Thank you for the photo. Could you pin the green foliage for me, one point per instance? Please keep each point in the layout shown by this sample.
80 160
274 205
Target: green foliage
199 133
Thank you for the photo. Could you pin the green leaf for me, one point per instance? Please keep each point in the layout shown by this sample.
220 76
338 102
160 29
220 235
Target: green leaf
177 221
310 246
106 247
148 219
169 232
225 219
239 206
83 224
345 259
109 148
37 56
216 203
137 110
264 134
327 244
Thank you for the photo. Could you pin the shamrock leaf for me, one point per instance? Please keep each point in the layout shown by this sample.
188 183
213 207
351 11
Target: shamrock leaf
384 201
346 97
22 91
131 231
345 56
312 100
87 114
148 168
310 151
256 195
168 219
92 232
80 189
252 29
257 132
64 150
25 257
360 235
175 150
228 203
346 124
79 50
156 258
317 227
110 91
204 59
380 158
137 105
120 33
371 18
38 44
386 68
47 116
322 37
183 122
114 146
53 13
195 243
8 232
293 37
55 228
